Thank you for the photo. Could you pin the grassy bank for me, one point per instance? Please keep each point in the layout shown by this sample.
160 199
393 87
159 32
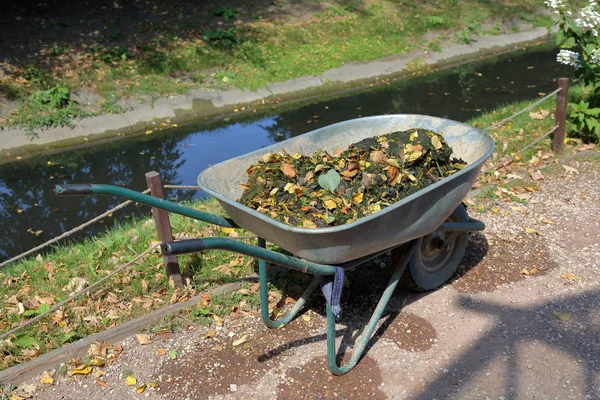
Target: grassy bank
31 286
176 46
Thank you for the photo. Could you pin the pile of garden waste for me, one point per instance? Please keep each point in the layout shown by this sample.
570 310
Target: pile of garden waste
324 189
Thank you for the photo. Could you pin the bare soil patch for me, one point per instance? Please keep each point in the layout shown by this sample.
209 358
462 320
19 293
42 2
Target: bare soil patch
314 381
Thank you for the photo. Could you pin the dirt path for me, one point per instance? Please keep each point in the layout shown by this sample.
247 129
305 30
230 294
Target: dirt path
520 321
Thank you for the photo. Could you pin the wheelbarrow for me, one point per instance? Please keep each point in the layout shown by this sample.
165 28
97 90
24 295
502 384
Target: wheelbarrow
426 232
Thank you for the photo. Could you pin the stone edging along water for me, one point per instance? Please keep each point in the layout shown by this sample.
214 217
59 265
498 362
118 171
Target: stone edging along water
214 105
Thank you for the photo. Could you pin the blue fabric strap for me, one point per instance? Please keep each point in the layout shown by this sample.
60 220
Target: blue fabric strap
332 287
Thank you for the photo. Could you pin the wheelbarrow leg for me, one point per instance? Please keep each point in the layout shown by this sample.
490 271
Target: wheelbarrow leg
264 295
370 328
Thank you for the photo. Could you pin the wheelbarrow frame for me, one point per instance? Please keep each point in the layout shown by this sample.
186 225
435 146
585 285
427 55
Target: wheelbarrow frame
263 255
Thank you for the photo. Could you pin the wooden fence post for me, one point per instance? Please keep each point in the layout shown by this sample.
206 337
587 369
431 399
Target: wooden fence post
561 115
163 226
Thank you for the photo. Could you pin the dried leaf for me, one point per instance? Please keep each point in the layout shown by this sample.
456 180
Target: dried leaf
161 351
569 277
210 334
535 175
570 169
241 340
531 230
81 370
358 198
288 170
534 115
306 318
378 157
562 316
435 141
143 338
101 383
47 378
329 204
140 389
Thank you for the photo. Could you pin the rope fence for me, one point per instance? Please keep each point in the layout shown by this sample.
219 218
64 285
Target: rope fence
77 294
529 107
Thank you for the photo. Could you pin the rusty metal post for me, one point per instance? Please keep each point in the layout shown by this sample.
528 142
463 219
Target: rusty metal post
163 226
561 115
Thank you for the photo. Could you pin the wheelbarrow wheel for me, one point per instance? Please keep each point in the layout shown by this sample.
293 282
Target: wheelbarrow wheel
437 256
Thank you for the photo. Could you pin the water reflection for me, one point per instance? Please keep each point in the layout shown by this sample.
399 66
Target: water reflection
27 204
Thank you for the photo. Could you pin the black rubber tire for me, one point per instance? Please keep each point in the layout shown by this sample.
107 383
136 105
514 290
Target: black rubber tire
422 274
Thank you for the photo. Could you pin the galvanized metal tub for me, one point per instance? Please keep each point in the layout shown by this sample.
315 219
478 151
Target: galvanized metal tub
412 217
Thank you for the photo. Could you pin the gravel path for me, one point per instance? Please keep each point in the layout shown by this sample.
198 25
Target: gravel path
521 320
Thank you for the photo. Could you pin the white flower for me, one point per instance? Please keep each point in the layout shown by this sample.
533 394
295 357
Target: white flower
590 18
568 57
595 56
557 6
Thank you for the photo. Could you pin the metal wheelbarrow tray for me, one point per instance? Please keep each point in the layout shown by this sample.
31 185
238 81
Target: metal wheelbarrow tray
426 232
412 217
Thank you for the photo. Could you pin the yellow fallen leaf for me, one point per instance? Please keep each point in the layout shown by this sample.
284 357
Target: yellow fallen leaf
569 277
82 370
358 198
306 318
218 320
392 162
19 211
530 230
210 334
435 141
130 380
226 230
411 177
524 272
307 223
140 389
329 204
46 378
413 136
143 338
241 340
153 384
149 131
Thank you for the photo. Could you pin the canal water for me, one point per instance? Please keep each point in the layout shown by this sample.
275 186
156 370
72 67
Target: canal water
31 215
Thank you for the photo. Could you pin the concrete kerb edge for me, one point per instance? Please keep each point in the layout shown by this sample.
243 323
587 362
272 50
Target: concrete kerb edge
203 105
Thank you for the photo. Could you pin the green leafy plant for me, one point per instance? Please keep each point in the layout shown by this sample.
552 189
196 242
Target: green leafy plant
220 38
579 42
111 54
434 20
56 97
45 109
58 50
225 12
584 118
